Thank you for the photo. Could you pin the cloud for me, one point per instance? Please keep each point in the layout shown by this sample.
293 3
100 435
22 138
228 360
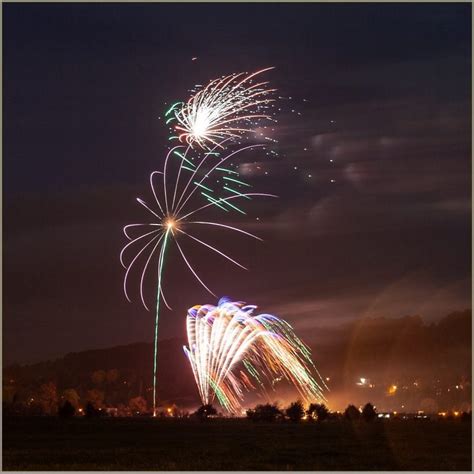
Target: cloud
416 293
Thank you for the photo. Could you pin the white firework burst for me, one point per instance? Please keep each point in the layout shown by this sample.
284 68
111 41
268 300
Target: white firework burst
228 107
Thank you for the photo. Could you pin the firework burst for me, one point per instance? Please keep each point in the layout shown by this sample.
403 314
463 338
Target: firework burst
196 170
231 351
229 107
196 178
173 214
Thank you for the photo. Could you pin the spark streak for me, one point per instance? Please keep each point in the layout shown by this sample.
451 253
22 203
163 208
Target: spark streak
229 347
226 108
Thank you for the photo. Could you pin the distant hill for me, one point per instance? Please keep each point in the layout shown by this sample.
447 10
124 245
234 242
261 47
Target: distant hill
134 363
401 351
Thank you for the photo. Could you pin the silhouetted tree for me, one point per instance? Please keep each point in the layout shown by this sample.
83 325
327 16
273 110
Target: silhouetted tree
91 411
368 412
295 411
352 413
17 409
66 410
122 410
20 408
34 409
175 412
318 411
96 397
332 415
268 413
204 411
137 404
71 396
48 398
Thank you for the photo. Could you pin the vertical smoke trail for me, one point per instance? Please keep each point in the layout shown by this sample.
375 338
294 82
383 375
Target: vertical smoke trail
158 297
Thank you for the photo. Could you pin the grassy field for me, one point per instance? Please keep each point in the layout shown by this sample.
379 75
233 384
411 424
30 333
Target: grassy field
148 444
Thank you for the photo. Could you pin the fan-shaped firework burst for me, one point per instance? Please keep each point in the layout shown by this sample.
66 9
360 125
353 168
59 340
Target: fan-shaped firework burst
231 350
228 107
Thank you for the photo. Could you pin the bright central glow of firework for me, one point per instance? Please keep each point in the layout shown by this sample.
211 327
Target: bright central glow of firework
171 214
228 107
231 350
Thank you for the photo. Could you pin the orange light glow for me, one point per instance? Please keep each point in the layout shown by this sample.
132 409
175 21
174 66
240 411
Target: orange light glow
392 389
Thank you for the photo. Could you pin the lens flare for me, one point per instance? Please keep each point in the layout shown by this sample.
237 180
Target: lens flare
232 351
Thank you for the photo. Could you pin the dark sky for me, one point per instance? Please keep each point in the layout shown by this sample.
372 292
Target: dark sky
387 99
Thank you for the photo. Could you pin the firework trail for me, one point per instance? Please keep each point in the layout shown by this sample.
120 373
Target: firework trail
231 350
193 179
229 107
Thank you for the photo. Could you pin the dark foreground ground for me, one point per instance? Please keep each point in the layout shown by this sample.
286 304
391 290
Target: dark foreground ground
148 444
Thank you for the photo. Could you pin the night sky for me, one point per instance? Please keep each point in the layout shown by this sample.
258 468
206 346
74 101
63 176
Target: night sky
374 221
